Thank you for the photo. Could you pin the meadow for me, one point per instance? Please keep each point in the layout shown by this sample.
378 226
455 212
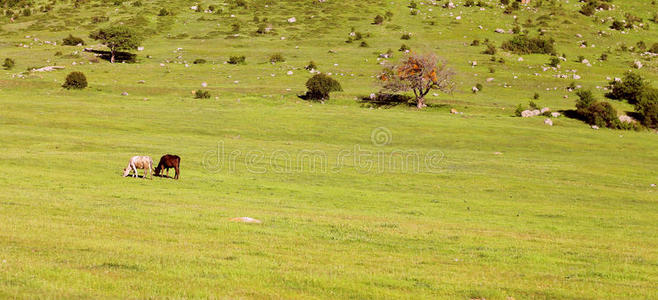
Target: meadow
505 208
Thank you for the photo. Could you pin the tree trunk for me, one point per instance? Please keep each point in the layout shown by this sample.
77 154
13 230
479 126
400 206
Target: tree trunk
421 102
112 56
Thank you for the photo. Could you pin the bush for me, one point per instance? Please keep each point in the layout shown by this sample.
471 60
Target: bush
647 108
320 85
277 57
72 41
235 60
491 50
523 44
535 96
654 48
311 66
588 9
406 36
199 61
601 114
165 12
364 44
554 62
75 80
201 94
378 20
475 43
604 57
629 88
404 48
617 25
479 87
8 64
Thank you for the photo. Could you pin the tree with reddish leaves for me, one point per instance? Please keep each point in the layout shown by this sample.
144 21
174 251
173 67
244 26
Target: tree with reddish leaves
419 73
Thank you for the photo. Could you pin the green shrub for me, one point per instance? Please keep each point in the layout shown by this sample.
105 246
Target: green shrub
201 94
629 88
654 48
404 47
72 41
137 3
535 96
276 57
378 20
165 12
364 44
491 50
75 80
554 62
523 44
475 43
604 57
235 60
320 85
311 66
479 87
601 114
617 25
406 36
647 108
8 64
199 61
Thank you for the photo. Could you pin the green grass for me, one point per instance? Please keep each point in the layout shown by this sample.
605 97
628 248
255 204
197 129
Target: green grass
512 208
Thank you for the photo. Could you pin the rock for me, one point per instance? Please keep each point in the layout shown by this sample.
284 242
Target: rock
526 113
490 79
246 220
545 109
204 84
474 63
520 59
453 111
595 127
548 122
498 153
141 82
140 48
637 64
585 61
475 89
576 77
626 119
653 185
292 20
556 114
48 69
124 94
499 30
289 73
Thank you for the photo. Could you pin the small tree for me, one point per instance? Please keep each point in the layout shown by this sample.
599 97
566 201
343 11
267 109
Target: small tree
320 85
72 41
75 80
117 38
629 88
419 73
8 64
647 107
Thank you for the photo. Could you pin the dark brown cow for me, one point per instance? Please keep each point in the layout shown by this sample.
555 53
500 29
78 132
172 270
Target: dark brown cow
168 161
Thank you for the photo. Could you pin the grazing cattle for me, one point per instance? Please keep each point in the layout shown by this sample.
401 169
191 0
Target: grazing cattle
168 161
139 162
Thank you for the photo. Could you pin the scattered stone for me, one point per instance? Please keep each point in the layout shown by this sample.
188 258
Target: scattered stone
475 89
453 111
48 69
292 20
545 109
626 119
548 122
637 64
498 153
246 220
289 73
141 82
124 94
204 84
556 114
595 127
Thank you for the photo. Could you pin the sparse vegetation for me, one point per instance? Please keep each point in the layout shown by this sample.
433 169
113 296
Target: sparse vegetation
8 64
237 60
201 94
72 41
523 44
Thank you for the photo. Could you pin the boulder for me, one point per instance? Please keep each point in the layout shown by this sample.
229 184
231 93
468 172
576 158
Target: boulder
556 114
548 122
246 220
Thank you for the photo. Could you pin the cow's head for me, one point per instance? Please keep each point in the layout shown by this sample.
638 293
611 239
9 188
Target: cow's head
126 171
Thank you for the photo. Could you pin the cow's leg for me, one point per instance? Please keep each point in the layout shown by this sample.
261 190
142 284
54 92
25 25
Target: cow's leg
135 174
167 172
177 171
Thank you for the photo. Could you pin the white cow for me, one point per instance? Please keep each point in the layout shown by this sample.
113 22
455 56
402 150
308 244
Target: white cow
139 162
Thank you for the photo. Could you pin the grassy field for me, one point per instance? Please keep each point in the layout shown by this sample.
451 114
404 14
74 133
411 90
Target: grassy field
487 205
